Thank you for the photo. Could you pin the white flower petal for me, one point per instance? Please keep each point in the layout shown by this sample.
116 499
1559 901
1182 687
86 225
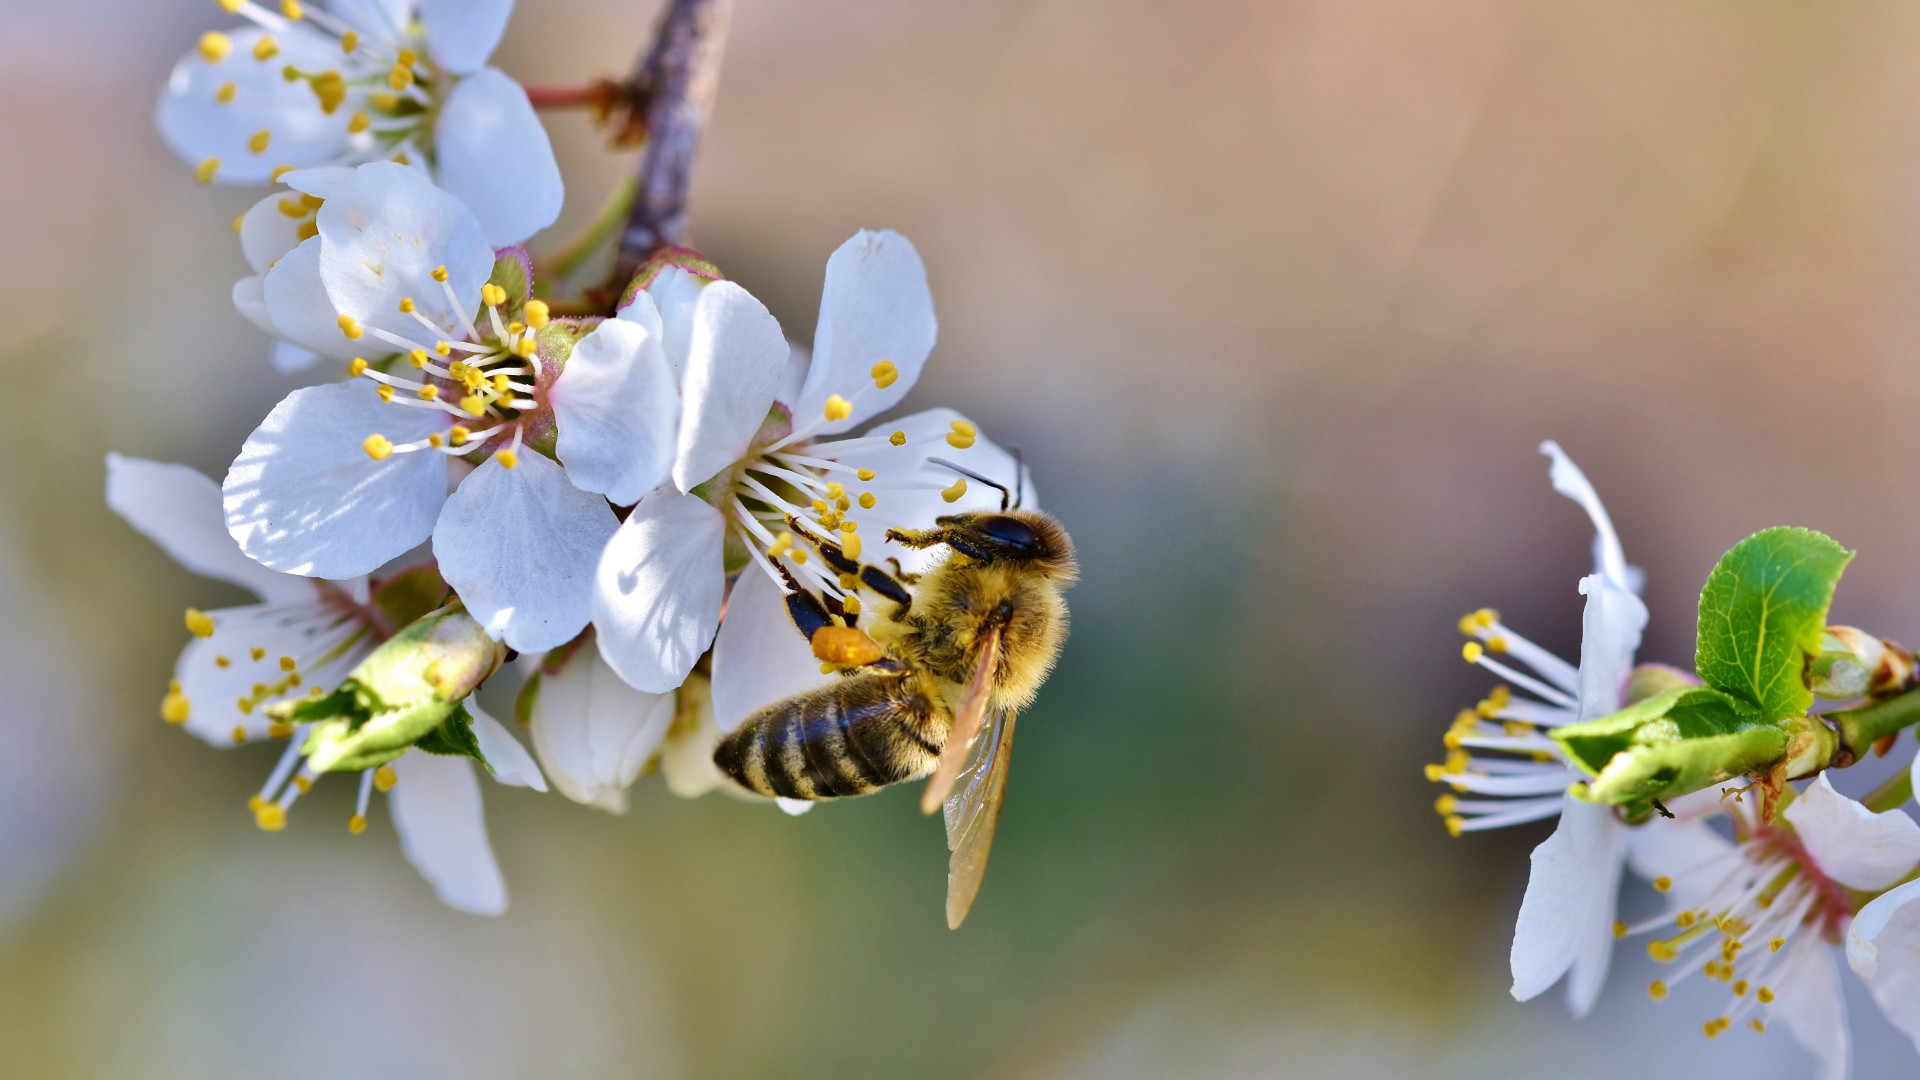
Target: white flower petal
1609 636
794 807
1684 852
461 34
267 233
760 656
594 732
520 546
1608 557
1883 947
686 756
1806 987
321 181
383 20
304 498
875 306
616 407
735 358
298 308
1850 843
287 358
326 643
512 765
250 300
643 311
198 126
179 509
443 831
656 600
906 487
495 157
1570 897
384 232
675 294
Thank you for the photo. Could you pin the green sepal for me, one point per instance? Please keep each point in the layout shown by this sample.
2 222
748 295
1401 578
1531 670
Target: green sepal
455 738
411 594
513 272
1763 613
684 258
1675 742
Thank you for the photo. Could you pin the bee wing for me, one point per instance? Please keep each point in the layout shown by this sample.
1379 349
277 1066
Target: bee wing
972 813
966 724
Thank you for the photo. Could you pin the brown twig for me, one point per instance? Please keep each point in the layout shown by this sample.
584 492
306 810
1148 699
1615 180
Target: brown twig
679 75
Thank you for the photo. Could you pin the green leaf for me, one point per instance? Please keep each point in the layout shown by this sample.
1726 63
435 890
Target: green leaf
1762 615
1674 742
455 738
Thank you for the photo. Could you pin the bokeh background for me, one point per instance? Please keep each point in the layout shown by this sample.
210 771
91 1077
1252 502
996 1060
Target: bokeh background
1279 298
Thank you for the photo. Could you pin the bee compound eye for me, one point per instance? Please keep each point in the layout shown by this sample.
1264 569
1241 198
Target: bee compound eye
1011 533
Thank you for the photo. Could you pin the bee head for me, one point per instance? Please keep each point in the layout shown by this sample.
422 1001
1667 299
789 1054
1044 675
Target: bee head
1011 536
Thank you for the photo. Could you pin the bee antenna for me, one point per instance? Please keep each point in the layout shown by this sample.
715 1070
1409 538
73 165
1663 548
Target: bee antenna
1019 477
970 474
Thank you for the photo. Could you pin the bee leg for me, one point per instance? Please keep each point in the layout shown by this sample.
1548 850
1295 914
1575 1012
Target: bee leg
879 581
829 550
900 572
926 538
806 610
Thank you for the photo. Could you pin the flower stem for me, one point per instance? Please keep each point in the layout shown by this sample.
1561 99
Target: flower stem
566 97
1860 728
680 73
1892 794
566 260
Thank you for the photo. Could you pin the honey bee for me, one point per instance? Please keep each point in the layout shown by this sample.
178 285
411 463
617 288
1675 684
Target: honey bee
948 656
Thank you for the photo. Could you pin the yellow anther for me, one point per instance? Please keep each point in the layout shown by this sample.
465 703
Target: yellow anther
290 73
291 9
203 172
385 392
1435 773
198 623
331 89
231 7
458 434
898 438
417 357
401 158
227 92
254 803
1711 1028
215 46
537 313
473 405
1777 944
279 729
435 440
1446 804
826 668
408 57
175 708
848 582
400 77
820 506
384 101
525 347
884 374
849 526
835 490
1657 990
1619 930
843 504
1758 1027
1496 644
356 367
1662 883
239 222
1764 996
1472 651
257 653
964 429
350 327
271 817
959 441
838 408
1740 988
952 494
516 328
501 384
800 556
305 785
1494 702
865 475
429 392
1455 824
1662 951
266 48
287 664
492 295
293 208
507 458
850 544
867 500
384 778
280 171
239 733
222 662
377 446
1686 919
830 520
257 142
851 604
315 692
439 272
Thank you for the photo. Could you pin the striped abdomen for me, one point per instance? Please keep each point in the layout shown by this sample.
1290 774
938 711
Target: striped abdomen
849 738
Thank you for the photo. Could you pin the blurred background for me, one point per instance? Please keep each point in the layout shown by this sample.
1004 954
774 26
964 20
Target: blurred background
1279 298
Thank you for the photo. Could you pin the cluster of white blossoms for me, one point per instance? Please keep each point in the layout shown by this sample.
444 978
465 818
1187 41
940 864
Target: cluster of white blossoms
1765 885
611 501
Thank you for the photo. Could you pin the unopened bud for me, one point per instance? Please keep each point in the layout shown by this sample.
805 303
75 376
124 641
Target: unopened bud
1673 743
1853 663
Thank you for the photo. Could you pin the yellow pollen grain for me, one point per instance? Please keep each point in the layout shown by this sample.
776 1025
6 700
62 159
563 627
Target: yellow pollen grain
1764 996
1455 825
782 544
492 295
820 506
429 392
848 583
254 803
884 374
377 446
827 668
198 623
418 358
287 664
279 730
349 41
800 556
175 708
837 408
1619 930
384 778
406 308
1740 988
473 405
508 459
356 825
959 441
867 500
1657 990
849 526
439 273
1472 651
1777 944
385 392
239 734
215 46
408 57
850 544
1496 644
442 348
458 434
400 78
964 429
851 605
435 440
1662 883
227 92
356 367
836 490
843 504
305 785
898 438
270 817
525 347
865 475
257 653
203 172
350 327
1758 1027
1434 773
952 494
222 662
266 48
537 314
257 142
1662 951
515 328
500 384
291 9
402 159
1446 804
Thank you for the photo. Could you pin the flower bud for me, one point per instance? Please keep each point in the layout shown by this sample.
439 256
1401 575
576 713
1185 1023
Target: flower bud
1853 663
1673 743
